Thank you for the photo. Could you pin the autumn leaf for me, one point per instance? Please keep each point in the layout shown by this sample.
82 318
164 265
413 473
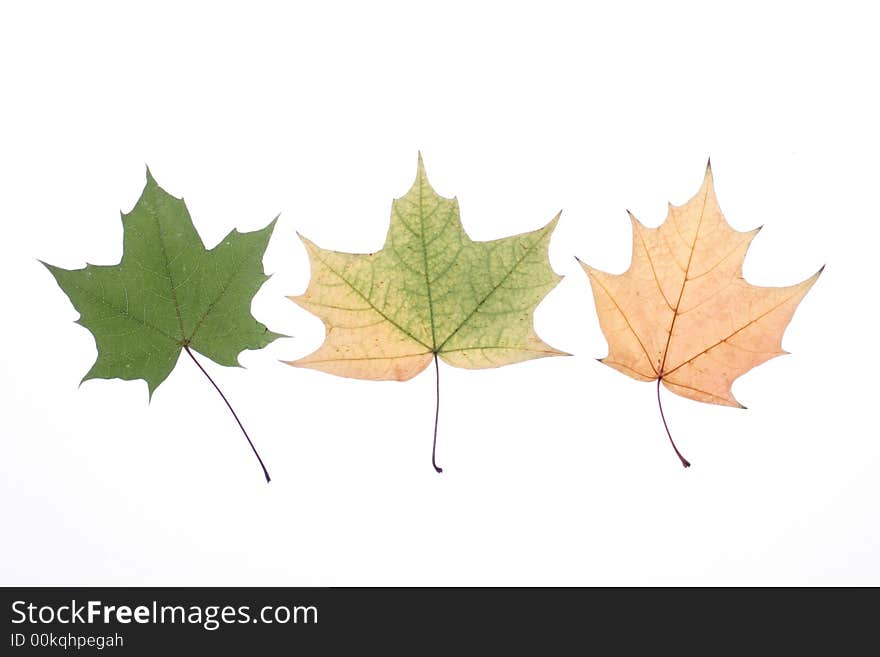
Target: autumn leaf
169 294
430 292
682 314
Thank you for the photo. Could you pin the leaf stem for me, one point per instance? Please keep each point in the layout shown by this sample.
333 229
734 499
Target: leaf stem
436 417
231 410
684 461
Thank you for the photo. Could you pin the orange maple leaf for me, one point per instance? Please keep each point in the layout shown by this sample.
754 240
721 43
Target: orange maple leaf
683 314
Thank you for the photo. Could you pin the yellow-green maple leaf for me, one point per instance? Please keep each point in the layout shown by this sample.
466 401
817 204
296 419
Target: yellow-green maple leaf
430 291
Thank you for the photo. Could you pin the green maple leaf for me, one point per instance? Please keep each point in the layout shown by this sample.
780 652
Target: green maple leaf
430 292
169 294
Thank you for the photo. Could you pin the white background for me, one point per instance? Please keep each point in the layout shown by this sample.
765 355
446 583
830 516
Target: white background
558 470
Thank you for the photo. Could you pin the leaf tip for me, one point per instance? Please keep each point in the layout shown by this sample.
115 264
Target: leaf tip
584 266
708 178
634 220
551 225
305 240
815 277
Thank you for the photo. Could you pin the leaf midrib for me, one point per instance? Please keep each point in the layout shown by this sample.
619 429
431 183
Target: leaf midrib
434 349
166 264
684 281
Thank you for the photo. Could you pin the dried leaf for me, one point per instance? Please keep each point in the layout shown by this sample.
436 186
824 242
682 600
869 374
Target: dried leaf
682 314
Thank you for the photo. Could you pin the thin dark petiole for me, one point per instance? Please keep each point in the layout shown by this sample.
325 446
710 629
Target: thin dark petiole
231 410
684 461
436 417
